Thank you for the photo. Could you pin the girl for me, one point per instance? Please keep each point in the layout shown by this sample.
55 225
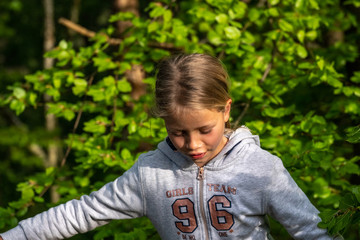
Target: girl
202 182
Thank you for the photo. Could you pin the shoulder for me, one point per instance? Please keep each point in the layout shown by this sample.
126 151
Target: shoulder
259 161
154 158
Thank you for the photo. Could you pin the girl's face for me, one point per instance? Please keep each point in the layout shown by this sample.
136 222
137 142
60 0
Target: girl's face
199 134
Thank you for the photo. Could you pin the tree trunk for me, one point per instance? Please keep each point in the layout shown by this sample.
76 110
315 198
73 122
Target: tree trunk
49 43
126 6
74 17
136 75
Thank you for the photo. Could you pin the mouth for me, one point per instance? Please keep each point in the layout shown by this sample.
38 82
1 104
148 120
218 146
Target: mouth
197 155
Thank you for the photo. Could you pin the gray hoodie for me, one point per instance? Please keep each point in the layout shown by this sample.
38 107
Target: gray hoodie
228 198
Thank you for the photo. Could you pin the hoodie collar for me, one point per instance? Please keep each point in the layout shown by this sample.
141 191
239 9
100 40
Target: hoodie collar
237 139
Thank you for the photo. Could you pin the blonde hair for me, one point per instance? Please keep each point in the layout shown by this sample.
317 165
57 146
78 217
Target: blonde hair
195 81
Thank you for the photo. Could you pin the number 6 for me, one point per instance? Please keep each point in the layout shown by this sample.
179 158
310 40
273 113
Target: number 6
221 220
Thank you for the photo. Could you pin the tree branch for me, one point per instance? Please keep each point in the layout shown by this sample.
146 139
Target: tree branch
262 80
63 161
87 33
244 111
39 152
113 41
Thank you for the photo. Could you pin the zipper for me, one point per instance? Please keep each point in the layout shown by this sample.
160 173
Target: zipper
201 177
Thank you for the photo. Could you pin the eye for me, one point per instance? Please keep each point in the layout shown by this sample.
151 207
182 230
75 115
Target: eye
205 131
177 133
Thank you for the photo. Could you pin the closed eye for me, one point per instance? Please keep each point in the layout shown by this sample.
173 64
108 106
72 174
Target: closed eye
205 131
177 133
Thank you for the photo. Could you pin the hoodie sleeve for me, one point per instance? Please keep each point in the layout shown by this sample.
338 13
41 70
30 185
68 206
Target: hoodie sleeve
121 199
288 204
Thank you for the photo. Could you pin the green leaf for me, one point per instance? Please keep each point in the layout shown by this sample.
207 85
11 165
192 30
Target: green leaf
22 212
356 77
109 81
19 93
167 16
49 171
232 33
248 47
125 154
57 83
123 67
68 114
17 106
80 86
348 91
300 4
204 27
214 38
348 201
158 54
122 16
301 51
273 2
55 93
327 215
334 82
311 35
32 98
97 125
238 10
356 192
83 181
306 65
356 3
63 44
285 26
254 14
153 26
301 35
314 4
132 127
320 145
39 199
124 86
222 18
354 135
98 94
27 193
320 62
157 11
350 168
273 12
104 63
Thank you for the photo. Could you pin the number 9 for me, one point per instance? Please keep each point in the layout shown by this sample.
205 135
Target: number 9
183 209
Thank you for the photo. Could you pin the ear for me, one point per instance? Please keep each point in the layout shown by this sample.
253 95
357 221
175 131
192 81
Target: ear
227 110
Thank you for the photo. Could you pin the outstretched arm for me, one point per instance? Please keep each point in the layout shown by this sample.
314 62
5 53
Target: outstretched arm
121 199
290 206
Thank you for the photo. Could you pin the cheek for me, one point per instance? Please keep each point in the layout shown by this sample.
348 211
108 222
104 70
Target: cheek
218 135
215 138
178 142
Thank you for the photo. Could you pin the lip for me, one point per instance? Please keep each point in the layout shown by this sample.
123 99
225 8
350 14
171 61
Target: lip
197 155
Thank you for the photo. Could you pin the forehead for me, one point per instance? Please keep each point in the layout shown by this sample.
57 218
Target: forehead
188 119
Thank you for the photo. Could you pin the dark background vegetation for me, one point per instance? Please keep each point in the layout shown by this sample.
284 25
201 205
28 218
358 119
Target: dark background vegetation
79 116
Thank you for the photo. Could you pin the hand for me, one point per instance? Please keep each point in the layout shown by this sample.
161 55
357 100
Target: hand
1 238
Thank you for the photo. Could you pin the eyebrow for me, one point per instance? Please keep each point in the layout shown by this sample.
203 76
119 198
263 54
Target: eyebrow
202 127
207 126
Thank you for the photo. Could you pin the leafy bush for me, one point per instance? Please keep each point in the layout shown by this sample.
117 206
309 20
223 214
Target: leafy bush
294 81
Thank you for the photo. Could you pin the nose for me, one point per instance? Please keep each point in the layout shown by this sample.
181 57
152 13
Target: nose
193 142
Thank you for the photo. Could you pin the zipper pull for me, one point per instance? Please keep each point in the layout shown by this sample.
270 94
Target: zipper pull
200 175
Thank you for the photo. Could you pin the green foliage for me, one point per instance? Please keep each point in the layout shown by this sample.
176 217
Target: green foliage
338 221
293 81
